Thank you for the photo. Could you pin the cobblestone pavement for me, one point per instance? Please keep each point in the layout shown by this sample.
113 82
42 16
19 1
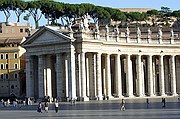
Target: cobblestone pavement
135 109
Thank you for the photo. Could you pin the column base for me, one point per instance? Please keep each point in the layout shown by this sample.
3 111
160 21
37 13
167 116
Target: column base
84 99
163 95
120 96
99 98
174 94
109 97
152 95
142 95
131 96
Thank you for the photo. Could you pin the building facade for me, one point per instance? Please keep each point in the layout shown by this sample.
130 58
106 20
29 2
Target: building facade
12 59
88 64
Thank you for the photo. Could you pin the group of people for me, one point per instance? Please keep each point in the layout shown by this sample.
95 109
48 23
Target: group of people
5 103
122 106
17 103
46 106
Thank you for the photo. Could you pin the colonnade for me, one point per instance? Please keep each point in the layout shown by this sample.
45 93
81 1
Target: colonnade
90 75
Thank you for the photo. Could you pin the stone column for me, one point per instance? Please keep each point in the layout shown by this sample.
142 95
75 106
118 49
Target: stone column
83 77
48 75
29 78
59 76
173 76
108 75
167 73
99 79
41 92
79 78
104 80
161 75
139 73
142 77
66 76
150 76
71 74
94 74
87 75
118 76
129 79
154 75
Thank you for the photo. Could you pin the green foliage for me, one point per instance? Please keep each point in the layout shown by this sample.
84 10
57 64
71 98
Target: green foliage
26 17
53 10
153 12
165 10
176 13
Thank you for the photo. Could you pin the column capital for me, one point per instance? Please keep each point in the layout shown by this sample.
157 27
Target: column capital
150 55
161 55
118 54
98 53
138 55
108 54
172 55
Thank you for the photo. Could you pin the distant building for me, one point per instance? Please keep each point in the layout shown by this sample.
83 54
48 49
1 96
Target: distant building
12 59
135 9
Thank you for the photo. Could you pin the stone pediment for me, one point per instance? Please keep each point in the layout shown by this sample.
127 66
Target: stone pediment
45 36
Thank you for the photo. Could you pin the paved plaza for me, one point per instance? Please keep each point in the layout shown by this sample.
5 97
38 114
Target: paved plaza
135 108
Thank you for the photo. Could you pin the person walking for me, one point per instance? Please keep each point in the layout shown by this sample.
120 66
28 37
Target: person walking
46 108
164 102
39 107
56 106
147 102
122 105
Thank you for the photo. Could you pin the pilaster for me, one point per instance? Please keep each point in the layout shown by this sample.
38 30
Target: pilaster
41 92
59 76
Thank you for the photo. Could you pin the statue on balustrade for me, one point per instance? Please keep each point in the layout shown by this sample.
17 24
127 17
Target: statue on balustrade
172 33
160 33
96 27
138 33
81 26
107 29
86 22
149 33
116 29
127 32
70 27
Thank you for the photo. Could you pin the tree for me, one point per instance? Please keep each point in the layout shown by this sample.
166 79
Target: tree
33 7
26 17
6 7
86 8
71 11
165 10
19 7
99 13
176 13
116 14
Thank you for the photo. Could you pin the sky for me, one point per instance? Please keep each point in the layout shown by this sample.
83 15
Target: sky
156 4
